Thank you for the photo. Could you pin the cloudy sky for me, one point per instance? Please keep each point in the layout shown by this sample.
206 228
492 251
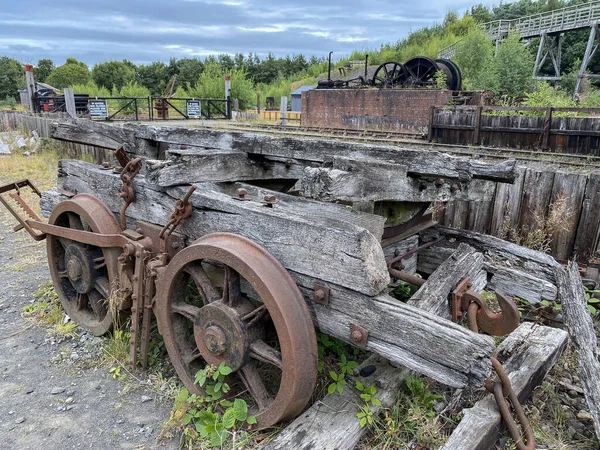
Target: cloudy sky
149 30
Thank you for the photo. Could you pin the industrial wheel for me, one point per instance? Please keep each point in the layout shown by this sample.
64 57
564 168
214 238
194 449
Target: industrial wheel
421 71
452 72
389 74
226 299
83 274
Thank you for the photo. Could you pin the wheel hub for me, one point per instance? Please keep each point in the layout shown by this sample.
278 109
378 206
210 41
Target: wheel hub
80 268
221 336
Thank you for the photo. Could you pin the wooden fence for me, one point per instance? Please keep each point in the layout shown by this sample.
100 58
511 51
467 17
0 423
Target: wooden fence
557 211
518 127
10 121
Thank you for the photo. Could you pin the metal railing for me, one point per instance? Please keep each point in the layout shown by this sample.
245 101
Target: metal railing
565 19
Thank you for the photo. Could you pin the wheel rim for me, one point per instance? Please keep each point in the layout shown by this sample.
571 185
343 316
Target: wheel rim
389 74
421 71
453 75
83 274
229 323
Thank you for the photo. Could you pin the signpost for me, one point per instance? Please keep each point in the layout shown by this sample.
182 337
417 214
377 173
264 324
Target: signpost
98 108
193 108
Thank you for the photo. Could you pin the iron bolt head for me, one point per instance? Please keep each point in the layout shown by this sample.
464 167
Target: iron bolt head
356 336
74 270
215 340
439 182
319 294
270 200
241 193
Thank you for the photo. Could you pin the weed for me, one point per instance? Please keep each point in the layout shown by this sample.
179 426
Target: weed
116 347
47 310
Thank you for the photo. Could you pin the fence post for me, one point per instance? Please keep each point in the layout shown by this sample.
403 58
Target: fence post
283 110
546 132
137 118
150 111
258 102
431 118
477 129
30 88
70 102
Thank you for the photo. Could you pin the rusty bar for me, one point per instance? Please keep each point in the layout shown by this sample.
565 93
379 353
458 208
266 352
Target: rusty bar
83 237
407 277
394 260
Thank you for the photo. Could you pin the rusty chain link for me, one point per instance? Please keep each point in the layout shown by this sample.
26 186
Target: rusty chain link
131 169
183 210
502 391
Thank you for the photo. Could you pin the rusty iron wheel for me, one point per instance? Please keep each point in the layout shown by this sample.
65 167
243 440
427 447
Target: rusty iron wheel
83 274
231 319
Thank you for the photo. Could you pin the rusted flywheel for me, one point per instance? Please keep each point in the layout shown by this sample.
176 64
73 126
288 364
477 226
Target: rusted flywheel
83 274
226 299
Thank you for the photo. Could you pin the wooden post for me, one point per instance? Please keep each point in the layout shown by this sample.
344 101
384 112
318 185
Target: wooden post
477 129
70 102
431 119
228 95
30 88
546 132
283 109
258 102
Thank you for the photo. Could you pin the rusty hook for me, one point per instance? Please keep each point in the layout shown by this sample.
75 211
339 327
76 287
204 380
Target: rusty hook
491 323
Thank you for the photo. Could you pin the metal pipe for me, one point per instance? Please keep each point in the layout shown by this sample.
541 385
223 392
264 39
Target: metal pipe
394 260
411 279
329 67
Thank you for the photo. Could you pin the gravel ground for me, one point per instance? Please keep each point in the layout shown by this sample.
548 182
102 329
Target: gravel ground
50 396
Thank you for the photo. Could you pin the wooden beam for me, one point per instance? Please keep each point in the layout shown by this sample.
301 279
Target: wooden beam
583 335
331 423
70 102
433 296
527 354
418 162
363 179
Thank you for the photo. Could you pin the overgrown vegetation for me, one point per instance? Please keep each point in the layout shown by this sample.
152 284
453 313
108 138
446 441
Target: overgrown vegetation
47 310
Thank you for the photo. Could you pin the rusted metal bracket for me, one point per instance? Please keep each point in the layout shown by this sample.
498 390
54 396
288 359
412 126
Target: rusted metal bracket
321 294
183 210
128 173
358 335
491 323
29 213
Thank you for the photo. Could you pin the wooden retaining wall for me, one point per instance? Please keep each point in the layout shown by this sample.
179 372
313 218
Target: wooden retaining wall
555 209
518 127
10 121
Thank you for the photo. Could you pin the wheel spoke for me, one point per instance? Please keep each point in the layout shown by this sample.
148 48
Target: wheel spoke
97 304
189 357
64 242
99 263
63 274
262 351
102 286
82 301
254 383
254 316
186 310
75 221
205 287
232 292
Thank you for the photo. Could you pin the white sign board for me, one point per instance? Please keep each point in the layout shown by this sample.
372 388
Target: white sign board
98 108
193 108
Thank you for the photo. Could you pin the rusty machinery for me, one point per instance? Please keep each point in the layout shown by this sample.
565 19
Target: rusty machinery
223 298
418 72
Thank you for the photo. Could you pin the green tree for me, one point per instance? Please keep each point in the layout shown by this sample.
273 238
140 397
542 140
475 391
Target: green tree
153 77
474 55
111 74
70 73
212 85
12 77
513 66
190 70
43 69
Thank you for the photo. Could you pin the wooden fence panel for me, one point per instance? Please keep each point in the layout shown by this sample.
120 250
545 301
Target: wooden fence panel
537 191
586 240
507 205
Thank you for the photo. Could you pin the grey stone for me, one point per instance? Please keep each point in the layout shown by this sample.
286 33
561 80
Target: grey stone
57 390
20 420
146 398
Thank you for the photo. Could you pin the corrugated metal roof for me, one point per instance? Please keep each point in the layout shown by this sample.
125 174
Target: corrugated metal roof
302 89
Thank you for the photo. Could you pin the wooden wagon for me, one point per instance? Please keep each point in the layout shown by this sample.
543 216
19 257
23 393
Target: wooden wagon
278 236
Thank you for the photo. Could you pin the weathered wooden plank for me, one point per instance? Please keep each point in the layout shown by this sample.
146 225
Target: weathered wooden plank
402 247
499 275
583 335
537 190
429 163
331 424
323 247
567 197
589 223
371 180
433 296
507 204
403 334
537 264
197 166
527 354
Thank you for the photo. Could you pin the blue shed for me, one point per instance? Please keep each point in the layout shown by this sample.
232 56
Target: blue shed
297 97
